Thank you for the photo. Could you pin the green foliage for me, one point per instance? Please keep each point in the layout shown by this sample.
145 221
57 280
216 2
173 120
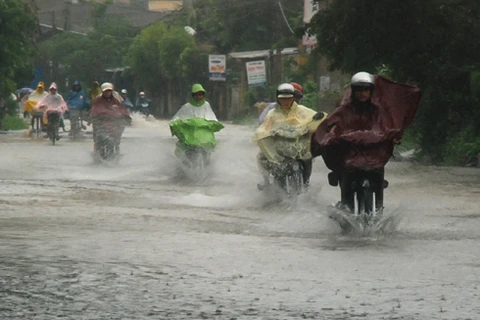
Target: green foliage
11 107
233 25
17 26
163 54
463 148
85 58
430 43
256 94
310 95
13 123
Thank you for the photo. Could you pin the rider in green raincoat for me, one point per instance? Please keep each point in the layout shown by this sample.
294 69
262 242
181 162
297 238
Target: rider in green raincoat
195 123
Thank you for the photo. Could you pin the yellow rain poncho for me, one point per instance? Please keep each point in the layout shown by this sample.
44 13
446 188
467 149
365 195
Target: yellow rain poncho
34 97
282 131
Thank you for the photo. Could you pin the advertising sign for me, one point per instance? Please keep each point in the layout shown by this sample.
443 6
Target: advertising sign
256 73
217 67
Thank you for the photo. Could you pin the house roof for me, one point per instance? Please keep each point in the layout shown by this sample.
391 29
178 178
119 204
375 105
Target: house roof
74 16
164 5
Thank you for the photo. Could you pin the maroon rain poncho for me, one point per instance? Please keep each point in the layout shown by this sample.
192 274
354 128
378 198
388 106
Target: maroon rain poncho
108 115
355 136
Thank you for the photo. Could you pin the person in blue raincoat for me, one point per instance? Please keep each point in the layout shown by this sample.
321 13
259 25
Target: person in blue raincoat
77 99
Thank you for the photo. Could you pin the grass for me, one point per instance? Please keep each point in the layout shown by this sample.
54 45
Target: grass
13 123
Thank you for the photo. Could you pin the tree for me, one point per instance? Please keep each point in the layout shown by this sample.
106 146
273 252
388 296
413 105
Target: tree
85 58
17 26
232 25
164 60
431 43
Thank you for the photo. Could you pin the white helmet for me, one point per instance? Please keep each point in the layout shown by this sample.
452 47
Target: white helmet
141 94
285 90
106 86
362 79
124 91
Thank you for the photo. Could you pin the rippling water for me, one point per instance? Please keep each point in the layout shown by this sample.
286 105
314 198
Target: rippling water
79 241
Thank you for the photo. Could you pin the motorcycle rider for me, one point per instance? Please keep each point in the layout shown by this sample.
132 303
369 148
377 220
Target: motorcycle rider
143 104
77 100
298 98
126 101
197 106
53 102
286 111
108 114
358 113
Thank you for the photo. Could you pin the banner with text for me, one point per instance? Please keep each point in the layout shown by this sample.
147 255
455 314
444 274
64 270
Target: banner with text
256 73
217 67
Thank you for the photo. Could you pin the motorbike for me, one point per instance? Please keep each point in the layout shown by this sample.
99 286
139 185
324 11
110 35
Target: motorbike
284 154
144 108
107 134
362 187
76 121
196 142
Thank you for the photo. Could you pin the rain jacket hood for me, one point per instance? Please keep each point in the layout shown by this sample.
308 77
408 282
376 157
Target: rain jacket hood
40 87
77 99
94 91
34 97
77 85
197 87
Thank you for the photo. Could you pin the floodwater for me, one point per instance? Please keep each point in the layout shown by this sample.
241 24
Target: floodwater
84 241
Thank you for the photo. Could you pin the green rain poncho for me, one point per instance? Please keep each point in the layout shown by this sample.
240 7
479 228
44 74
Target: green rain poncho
196 132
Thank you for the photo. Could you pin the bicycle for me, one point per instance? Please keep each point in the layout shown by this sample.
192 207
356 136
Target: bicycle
37 122
52 126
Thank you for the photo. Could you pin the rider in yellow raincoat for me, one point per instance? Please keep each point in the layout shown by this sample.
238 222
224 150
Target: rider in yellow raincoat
33 98
287 116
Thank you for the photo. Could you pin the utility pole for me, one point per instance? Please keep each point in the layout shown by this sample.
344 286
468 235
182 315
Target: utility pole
66 25
276 55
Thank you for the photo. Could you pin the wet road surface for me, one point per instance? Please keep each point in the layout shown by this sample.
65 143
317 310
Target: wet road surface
84 241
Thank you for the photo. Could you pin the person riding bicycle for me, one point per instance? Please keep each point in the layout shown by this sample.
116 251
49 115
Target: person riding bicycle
32 100
285 113
108 115
77 100
51 103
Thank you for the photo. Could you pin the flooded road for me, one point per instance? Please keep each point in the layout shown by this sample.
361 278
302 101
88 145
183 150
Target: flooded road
84 241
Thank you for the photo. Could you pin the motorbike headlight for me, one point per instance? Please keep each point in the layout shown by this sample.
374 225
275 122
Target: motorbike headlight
295 166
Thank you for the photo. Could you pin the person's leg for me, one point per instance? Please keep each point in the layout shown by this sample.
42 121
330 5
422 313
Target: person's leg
261 161
379 177
347 192
307 170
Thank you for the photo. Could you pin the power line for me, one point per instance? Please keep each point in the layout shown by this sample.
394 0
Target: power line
285 18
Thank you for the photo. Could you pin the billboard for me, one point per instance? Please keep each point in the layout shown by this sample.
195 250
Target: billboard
256 73
217 64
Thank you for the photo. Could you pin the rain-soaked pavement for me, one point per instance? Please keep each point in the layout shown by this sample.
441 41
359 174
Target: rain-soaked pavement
83 241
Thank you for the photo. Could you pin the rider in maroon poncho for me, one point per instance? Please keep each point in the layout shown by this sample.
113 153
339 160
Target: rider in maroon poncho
362 131
108 116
